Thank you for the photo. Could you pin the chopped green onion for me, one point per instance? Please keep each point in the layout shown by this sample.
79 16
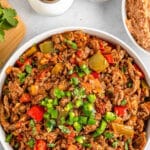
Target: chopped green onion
32 123
130 84
50 124
21 77
74 81
58 93
126 146
87 108
76 118
77 126
81 74
64 129
8 138
101 128
123 102
51 145
68 107
85 69
83 120
68 93
71 43
91 121
78 103
46 115
16 145
54 114
109 116
91 98
71 118
70 72
80 139
86 145
108 135
28 69
31 143
79 93
115 144
62 120
55 102
124 69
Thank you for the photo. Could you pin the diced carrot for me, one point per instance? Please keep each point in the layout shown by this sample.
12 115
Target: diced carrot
72 147
40 145
25 98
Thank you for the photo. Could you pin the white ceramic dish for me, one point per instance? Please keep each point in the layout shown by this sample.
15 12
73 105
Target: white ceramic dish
124 17
56 7
37 39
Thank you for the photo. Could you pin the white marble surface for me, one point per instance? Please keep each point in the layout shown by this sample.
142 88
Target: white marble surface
105 16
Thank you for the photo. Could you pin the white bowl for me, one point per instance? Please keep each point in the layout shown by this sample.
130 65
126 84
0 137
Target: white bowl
124 17
41 37
57 7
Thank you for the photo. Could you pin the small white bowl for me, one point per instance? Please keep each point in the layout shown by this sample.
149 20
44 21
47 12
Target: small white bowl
106 36
124 18
56 7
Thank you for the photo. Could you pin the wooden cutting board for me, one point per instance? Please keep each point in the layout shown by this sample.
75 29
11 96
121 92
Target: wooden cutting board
12 37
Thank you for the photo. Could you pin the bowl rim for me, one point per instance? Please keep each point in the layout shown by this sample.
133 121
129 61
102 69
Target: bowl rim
124 16
101 34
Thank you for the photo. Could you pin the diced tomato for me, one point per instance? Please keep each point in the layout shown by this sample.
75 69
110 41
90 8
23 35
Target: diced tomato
25 98
79 53
42 74
138 69
73 60
109 58
120 110
95 75
19 63
40 145
36 112
23 64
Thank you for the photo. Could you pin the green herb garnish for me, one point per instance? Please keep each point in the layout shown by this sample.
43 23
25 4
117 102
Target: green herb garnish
28 69
8 138
22 77
64 129
108 135
123 102
31 143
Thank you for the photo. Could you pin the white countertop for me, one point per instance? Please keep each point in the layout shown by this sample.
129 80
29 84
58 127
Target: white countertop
104 16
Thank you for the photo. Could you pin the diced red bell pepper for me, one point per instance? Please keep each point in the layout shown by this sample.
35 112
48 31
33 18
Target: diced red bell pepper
95 75
73 60
25 98
23 64
120 110
40 145
101 46
109 58
19 137
79 53
138 69
36 112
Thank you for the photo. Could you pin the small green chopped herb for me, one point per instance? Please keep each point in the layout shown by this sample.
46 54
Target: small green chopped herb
124 69
16 145
130 84
58 93
126 146
91 121
28 69
101 128
70 72
62 120
31 143
50 124
8 138
22 77
46 115
91 98
68 107
80 139
76 118
68 93
51 145
79 93
74 81
108 135
123 102
64 129
55 102
81 74
87 145
71 43
77 126
109 116
54 114
7 20
88 108
32 123
21 59
78 103
85 69
83 120
115 144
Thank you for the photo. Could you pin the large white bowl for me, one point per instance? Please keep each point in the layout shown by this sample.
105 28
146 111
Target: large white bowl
103 35
124 18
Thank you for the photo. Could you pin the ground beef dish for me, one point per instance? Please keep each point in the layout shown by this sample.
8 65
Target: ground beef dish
75 91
